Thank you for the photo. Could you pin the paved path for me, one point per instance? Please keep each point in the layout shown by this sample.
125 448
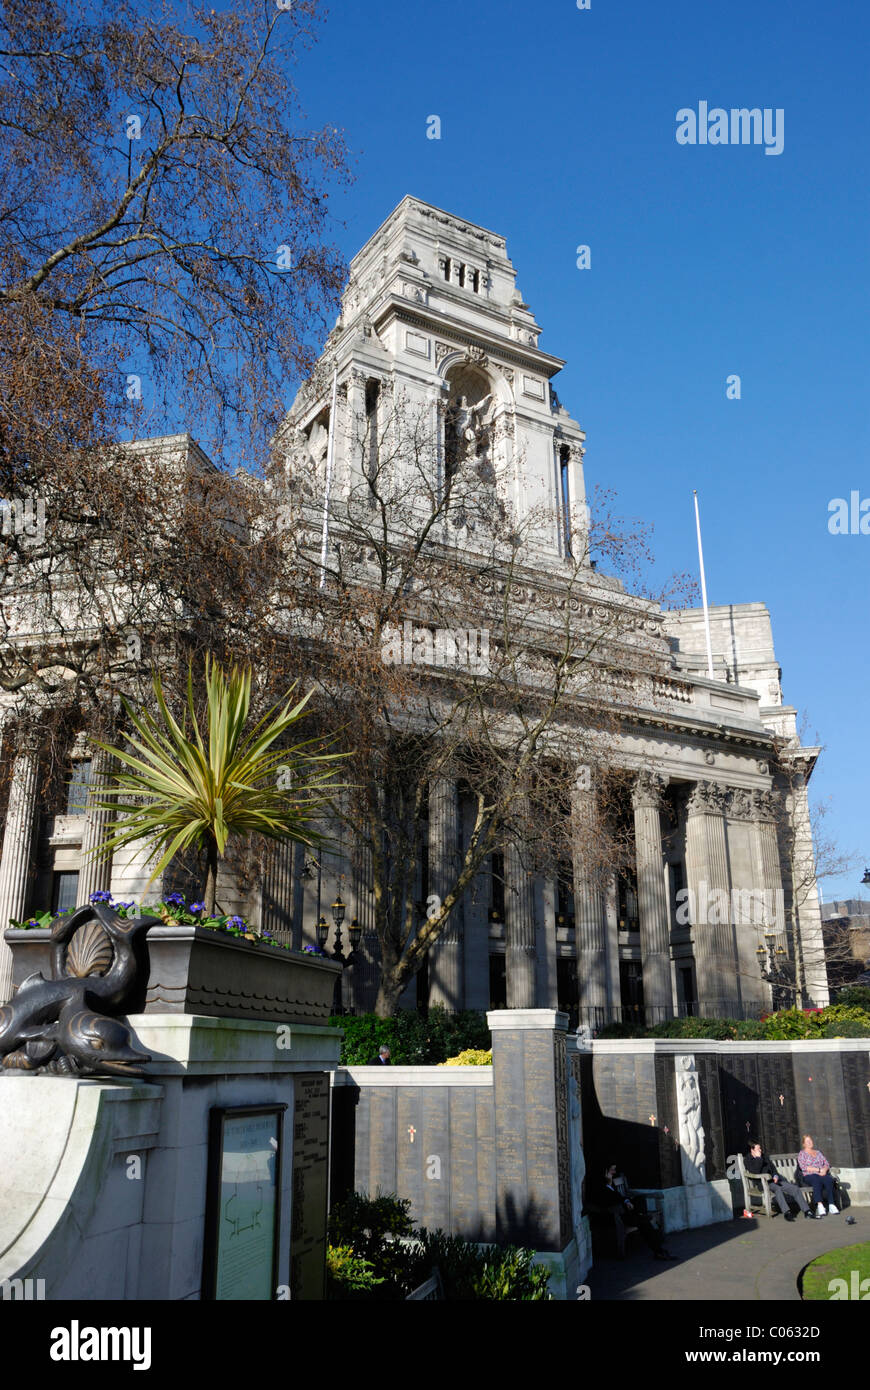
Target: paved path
733 1260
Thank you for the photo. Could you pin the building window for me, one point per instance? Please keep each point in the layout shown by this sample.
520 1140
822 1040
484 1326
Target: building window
77 791
627 905
631 990
565 496
678 884
497 982
565 896
568 989
64 890
372 399
687 989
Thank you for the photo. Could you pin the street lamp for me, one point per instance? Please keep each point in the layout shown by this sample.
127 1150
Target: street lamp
866 878
338 910
771 965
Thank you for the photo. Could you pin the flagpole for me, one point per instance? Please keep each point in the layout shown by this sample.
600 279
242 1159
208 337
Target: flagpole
330 447
704 589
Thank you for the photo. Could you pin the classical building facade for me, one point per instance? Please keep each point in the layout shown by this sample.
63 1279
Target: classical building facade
722 846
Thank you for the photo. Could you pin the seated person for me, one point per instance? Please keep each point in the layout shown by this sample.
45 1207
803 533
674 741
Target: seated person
758 1162
817 1171
606 1194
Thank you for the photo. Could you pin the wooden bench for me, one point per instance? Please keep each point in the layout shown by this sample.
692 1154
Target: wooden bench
757 1185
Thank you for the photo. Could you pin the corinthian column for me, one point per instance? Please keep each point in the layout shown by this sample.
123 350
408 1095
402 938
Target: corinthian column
445 956
707 869
95 875
519 929
652 898
590 924
16 857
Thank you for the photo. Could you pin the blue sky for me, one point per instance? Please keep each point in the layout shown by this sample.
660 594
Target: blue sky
558 128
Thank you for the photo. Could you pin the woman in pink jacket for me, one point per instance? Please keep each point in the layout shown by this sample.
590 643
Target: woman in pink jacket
817 1171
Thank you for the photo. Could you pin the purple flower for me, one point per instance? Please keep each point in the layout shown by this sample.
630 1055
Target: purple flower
101 896
236 922
174 900
197 907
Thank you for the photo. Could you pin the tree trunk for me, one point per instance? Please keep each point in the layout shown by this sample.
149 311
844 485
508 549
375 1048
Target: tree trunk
211 879
389 992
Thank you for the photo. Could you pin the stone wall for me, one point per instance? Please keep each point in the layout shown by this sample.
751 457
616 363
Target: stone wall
76 1213
775 1091
487 1153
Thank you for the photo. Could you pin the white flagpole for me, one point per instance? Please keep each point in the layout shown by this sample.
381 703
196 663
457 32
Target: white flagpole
704 590
329 453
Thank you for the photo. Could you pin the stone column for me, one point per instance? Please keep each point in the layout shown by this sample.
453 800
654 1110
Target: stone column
16 859
590 922
806 914
652 898
445 956
95 875
276 898
709 883
519 929
532 1139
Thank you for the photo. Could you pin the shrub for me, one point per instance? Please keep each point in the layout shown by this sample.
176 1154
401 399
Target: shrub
855 997
751 1028
348 1275
839 1014
621 1030
413 1038
375 1253
500 1274
847 1028
363 1035
472 1057
374 1228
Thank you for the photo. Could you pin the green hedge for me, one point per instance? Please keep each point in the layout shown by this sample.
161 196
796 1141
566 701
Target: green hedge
836 1021
413 1039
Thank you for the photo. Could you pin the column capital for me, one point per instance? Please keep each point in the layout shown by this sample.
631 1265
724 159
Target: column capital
763 805
708 799
649 789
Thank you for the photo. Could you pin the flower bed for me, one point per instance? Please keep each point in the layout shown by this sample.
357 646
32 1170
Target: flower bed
218 967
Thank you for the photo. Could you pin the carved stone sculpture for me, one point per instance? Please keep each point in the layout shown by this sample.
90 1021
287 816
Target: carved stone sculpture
692 1138
68 1025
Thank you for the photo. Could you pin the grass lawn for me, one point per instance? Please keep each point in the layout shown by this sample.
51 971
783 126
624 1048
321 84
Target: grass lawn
837 1264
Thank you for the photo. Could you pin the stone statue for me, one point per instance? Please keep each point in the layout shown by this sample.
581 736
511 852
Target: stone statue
692 1139
66 1025
469 427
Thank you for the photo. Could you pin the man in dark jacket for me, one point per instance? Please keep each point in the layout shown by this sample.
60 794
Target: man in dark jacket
607 1195
758 1162
383 1057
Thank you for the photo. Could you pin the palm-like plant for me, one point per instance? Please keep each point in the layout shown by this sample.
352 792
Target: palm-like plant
196 788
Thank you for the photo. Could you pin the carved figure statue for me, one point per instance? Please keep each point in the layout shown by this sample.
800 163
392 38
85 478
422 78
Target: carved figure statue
469 426
66 1024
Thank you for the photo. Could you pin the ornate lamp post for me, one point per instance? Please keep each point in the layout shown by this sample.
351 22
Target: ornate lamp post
771 964
345 958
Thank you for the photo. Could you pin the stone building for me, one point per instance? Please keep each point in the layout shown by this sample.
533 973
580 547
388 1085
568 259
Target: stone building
723 850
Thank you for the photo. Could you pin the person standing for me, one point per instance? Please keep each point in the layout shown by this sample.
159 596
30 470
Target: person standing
817 1171
383 1057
